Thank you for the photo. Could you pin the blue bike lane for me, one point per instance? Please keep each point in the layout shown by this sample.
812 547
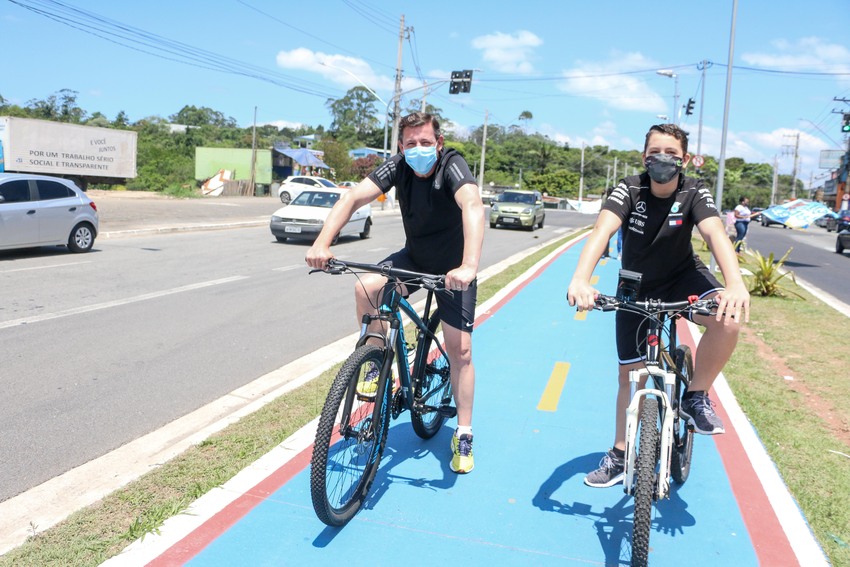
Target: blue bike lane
545 390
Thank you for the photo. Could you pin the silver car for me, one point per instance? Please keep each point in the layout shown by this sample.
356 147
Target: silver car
38 210
304 218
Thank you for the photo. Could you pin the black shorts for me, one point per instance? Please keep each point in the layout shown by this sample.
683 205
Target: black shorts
631 327
457 308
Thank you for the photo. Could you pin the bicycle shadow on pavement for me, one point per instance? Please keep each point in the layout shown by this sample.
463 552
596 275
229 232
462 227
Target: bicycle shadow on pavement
613 524
404 445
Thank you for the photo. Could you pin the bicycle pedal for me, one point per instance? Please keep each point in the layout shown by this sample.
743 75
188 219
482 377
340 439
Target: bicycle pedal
447 412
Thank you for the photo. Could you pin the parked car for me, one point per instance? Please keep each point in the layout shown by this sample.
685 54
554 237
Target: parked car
822 221
305 216
293 185
518 208
838 222
348 184
765 221
842 241
40 210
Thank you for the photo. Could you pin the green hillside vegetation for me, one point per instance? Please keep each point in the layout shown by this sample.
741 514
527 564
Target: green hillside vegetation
514 156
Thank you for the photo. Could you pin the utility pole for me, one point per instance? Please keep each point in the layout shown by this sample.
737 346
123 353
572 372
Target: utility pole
614 177
794 170
607 178
483 152
253 155
775 179
702 66
581 178
397 92
424 95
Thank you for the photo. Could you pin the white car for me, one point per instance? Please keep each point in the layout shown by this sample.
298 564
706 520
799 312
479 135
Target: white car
39 210
305 216
293 185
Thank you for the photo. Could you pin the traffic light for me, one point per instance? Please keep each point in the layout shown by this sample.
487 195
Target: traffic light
461 82
845 125
689 109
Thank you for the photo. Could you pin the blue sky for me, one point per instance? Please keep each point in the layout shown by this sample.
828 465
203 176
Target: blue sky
585 70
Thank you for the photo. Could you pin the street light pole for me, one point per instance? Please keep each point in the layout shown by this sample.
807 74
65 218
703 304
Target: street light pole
393 99
675 77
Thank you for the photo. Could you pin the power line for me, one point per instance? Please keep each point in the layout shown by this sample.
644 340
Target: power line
164 48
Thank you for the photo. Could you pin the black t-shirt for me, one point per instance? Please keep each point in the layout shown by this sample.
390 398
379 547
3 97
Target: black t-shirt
657 232
433 223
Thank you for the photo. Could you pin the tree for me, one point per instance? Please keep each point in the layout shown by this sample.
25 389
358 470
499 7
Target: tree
60 107
203 116
336 156
525 116
354 114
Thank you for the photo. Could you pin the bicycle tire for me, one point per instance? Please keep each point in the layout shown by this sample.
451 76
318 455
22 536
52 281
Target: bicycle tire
431 389
683 435
350 440
645 484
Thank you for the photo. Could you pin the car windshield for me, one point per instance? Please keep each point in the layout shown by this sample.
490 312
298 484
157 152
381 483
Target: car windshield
525 198
316 199
326 183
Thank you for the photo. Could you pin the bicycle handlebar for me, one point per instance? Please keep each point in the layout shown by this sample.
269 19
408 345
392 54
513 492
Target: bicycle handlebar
428 281
653 306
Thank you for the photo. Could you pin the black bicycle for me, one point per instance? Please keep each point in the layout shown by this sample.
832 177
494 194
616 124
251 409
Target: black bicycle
659 443
363 398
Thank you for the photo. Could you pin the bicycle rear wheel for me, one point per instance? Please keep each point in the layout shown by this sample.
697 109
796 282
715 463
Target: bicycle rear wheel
350 439
683 436
645 484
432 389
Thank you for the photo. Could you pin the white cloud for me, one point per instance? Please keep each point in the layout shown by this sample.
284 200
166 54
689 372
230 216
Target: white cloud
283 124
609 83
343 70
806 54
508 53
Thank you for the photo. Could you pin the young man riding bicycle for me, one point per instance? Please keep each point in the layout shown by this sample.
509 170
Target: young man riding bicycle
658 210
443 219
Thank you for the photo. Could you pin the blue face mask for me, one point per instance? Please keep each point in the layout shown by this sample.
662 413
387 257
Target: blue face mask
421 158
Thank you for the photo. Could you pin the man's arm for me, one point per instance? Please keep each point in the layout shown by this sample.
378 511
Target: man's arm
472 211
735 298
581 293
350 200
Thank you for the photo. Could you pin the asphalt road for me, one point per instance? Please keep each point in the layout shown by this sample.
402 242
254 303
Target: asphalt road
166 315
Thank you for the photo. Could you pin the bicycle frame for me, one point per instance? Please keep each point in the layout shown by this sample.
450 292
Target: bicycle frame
390 312
658 362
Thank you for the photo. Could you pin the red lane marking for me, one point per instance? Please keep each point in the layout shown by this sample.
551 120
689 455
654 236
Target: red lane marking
766 533
209 531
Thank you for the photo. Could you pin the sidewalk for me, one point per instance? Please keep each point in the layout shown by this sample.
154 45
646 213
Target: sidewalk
543 406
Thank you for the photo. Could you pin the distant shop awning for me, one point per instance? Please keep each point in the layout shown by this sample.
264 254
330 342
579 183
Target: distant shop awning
303 157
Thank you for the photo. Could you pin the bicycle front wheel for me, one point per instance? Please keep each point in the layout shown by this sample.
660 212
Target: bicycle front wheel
645 484
350 439
683 436
432 390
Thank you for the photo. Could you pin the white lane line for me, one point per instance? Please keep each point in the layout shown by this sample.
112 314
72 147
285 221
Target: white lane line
44 267
292 267
116 303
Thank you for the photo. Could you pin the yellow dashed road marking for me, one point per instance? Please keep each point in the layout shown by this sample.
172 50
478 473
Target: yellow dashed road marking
552 393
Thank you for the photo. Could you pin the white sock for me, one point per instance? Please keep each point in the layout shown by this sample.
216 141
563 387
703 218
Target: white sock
463 430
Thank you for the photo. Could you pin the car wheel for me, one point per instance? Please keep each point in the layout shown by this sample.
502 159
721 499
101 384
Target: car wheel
82 238
492 225
367 229
335 240
285 197
540 224
839 248
281 238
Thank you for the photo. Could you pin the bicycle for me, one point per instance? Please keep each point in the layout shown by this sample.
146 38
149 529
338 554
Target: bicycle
659 443
353 426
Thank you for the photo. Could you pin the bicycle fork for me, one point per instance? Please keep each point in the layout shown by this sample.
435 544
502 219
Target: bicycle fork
665 451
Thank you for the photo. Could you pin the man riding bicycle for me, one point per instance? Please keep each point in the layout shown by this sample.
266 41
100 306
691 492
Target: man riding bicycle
443 219
658 210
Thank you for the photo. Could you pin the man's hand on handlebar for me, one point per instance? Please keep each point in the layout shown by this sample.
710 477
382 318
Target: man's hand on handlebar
317 257
582 295
460 278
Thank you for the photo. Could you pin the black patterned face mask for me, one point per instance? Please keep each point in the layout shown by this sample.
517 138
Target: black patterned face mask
662 168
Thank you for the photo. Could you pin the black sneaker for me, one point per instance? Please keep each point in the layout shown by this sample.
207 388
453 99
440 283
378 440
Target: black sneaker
698 409
609 473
